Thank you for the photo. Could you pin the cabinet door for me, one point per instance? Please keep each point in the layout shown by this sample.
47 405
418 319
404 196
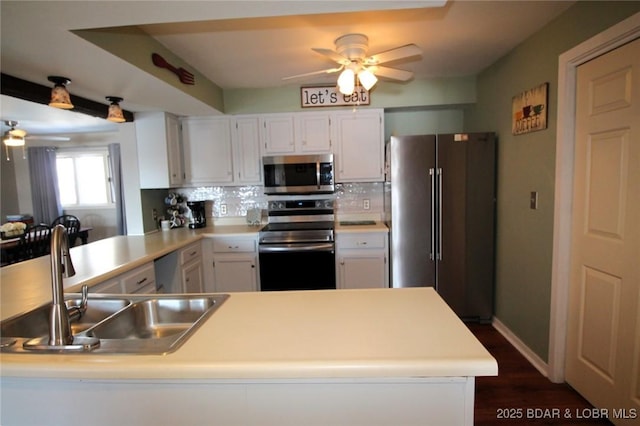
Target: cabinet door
278 134
208 155
362 269
313 132
160 157
192 277
246 147
360 146
235 273
175 151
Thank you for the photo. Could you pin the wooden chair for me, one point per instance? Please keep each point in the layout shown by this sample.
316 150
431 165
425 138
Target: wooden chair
72 224
35 242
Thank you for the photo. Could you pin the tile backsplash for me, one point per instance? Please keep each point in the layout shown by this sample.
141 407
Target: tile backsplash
234 201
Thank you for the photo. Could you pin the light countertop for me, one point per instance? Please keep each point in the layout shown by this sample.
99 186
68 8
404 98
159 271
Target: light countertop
307 334
377 226
25 285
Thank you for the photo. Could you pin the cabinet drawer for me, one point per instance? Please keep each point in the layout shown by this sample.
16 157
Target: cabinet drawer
194 251
108 287
136 280
349 241
234 245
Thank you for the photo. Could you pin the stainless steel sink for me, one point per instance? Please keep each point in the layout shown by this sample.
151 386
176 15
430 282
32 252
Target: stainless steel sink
149 324
35 323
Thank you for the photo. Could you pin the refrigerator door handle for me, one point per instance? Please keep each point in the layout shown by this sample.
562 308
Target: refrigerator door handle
432 174
439 255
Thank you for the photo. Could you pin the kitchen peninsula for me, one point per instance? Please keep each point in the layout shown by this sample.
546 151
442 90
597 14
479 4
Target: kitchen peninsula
357 357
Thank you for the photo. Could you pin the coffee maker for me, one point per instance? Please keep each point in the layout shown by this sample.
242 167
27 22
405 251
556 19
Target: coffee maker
198 216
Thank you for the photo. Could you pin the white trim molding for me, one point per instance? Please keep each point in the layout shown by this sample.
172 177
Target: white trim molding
520 346
568 62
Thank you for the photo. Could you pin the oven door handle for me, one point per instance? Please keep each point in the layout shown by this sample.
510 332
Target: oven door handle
299 247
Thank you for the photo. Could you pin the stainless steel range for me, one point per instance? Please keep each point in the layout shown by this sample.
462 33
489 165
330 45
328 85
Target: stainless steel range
297 247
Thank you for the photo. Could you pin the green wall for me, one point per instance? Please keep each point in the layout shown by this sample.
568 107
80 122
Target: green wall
527 163
436 92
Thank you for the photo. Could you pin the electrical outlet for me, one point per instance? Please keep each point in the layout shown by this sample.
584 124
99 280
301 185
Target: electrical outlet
223 209
154 215
366 204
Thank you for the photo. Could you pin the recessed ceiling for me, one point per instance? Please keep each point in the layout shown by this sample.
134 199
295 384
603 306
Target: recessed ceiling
241 44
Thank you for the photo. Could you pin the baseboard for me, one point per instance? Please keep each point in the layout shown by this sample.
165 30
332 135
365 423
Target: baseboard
531 356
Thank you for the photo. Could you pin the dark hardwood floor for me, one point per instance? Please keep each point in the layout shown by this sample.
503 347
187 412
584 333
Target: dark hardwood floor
520 394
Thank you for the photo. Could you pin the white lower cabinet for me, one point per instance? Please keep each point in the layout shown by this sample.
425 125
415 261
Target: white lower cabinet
191 268
140 280
235 263
181 271
361 260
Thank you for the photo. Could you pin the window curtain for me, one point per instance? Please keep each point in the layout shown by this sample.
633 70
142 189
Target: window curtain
117 188
45 194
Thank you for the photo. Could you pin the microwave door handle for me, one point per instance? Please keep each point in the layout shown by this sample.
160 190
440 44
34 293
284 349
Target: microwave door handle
318 173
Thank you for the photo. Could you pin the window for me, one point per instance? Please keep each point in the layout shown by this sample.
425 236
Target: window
83 178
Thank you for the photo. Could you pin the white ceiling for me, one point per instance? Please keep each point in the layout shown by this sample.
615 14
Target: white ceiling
242 44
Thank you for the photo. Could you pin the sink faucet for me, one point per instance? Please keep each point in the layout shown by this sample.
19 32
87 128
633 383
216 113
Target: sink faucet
61 264
60 337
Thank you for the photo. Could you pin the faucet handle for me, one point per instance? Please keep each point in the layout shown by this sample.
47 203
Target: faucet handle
85 298
75 312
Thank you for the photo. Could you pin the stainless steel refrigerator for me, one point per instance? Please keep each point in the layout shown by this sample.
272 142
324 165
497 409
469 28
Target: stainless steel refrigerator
440 207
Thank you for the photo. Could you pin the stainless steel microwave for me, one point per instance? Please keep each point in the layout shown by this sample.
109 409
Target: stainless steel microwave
298 174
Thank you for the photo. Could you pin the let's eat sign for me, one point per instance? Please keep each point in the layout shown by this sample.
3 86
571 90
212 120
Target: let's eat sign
328 96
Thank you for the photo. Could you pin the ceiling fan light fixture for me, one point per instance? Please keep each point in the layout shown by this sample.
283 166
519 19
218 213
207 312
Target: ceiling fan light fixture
367 79
12 140
346 81
60 97
13 136
115 112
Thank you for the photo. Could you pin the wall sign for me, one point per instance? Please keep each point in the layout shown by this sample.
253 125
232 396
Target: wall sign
328 96
529 110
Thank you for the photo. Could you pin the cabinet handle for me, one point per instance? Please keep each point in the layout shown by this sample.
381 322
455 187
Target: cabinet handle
253 266
141 281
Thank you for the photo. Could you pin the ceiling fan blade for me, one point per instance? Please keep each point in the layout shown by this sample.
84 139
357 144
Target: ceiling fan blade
391 73
48 138
308 74
402 52
334 56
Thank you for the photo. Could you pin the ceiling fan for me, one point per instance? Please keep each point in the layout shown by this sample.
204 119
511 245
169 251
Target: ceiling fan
351 55
16 137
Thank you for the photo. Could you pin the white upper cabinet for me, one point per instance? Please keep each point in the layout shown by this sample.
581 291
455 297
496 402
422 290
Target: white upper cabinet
313 132
359 147
246 150
278 134
160 151
208 152
296 133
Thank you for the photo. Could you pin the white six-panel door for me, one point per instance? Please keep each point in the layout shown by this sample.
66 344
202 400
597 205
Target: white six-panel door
603 336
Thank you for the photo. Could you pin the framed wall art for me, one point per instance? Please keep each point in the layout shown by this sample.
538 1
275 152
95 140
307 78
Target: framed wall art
529 110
